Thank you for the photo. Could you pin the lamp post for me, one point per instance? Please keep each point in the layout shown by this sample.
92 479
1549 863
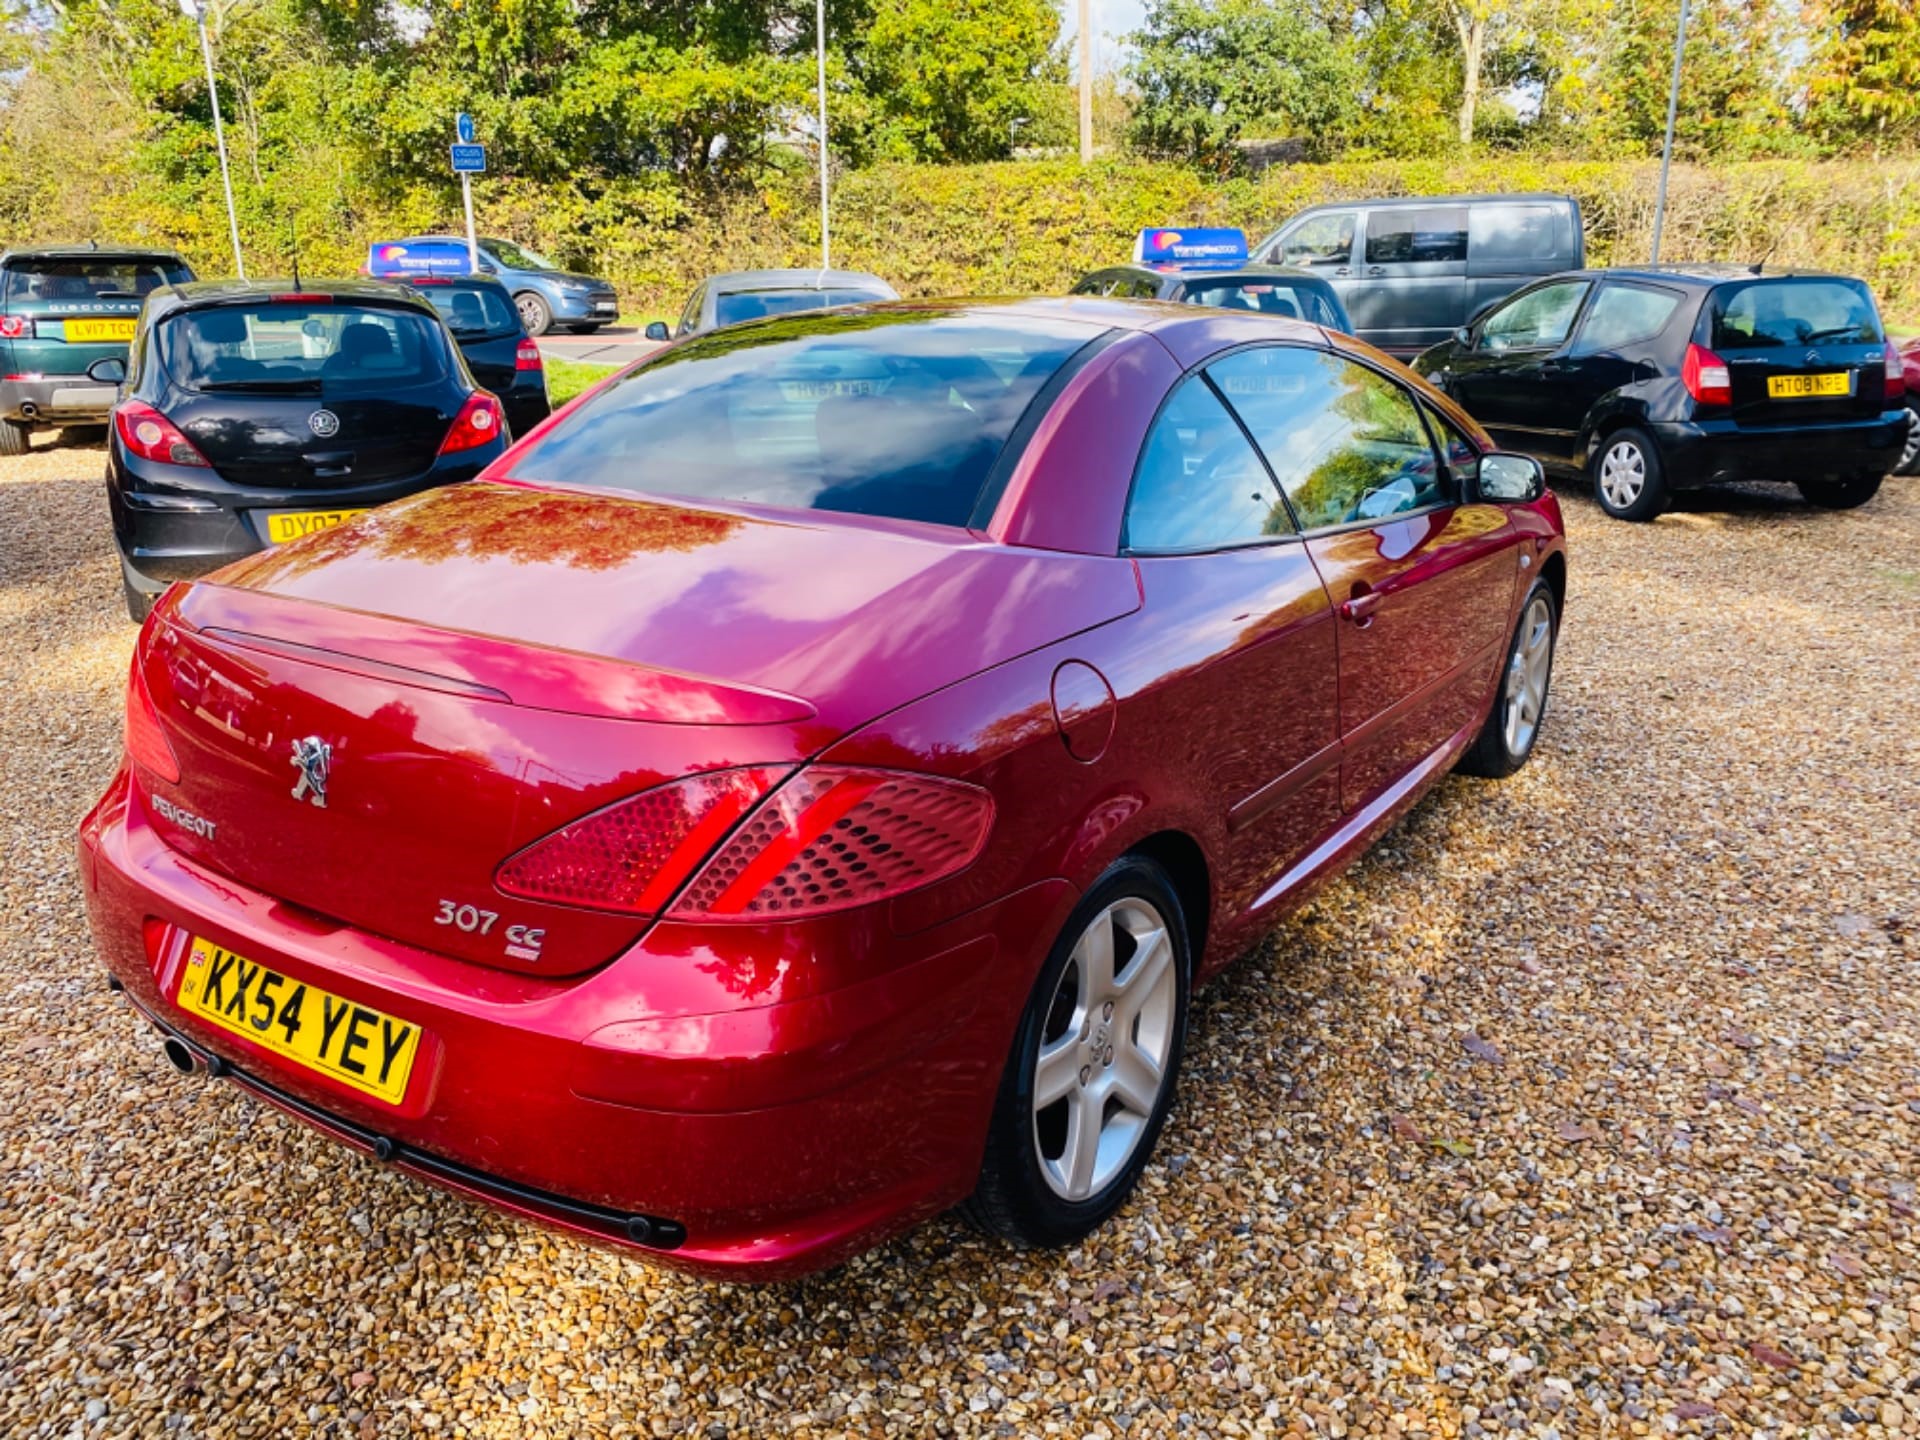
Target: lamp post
196 12
820 47
1666 151
1086 82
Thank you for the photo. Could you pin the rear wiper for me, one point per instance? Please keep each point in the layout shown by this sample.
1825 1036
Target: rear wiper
277 387
1834 333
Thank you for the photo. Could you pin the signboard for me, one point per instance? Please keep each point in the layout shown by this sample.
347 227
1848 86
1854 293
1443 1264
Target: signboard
469 159
463 127
422 257
1190 248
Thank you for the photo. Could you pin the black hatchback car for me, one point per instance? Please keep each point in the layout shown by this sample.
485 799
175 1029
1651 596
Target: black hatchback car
485 325
1660 379
255 413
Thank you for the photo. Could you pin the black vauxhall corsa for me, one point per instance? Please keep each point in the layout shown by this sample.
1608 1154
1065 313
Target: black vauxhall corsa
258 412
1659 379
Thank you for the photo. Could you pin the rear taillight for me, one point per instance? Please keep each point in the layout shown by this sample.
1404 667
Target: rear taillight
1896 373
633 856
477 423
527 356
1706 377
147 743
830 838
15 327
833 837
149 434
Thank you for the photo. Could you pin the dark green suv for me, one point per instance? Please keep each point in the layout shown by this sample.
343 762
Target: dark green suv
61 309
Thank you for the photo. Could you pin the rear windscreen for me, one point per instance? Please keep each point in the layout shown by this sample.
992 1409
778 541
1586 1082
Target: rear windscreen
1768 314
472 313
1266 297
302 348
90 279
758 304
900 414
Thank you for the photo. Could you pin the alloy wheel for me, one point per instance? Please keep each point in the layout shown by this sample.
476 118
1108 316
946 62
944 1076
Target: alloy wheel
1105 1048
1623 474
1527 674
1910 453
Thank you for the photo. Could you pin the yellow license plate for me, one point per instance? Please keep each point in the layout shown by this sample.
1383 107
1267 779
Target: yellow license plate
1800 387
350 1043
96 330
292 524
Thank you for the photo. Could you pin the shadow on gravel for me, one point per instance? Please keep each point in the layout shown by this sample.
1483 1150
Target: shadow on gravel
1727 500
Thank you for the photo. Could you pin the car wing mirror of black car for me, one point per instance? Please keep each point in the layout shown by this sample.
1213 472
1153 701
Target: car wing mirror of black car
1510 479
1463 337
110 371
657 330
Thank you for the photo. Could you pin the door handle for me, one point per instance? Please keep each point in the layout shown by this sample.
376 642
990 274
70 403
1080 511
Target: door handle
1376 270
1343 270
1360 608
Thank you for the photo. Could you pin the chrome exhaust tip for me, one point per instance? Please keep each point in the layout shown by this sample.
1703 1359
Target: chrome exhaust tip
180 1055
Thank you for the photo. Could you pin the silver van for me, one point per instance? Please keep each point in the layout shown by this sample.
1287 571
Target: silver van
1411 271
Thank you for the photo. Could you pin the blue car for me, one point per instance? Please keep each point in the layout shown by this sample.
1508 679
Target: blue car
547 297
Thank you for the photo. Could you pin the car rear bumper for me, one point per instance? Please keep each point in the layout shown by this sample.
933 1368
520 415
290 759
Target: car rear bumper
762 1142
175 522
1717 451
57 400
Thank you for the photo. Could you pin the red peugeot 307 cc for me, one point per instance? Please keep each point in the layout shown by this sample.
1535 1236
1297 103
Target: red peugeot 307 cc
797 788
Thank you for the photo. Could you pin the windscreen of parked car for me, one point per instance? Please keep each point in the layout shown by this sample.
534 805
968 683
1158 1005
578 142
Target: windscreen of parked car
1267 297
85 278
472 313
517 257
892 413
1766 314
732 308
300 347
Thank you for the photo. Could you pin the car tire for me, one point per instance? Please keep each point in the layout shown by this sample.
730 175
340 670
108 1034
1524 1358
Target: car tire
1098 1039
1910 453
535 313
1512 727
1848 493
14 438
1629 479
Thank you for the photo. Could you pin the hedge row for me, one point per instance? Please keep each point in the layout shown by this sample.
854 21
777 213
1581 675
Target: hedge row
1036 226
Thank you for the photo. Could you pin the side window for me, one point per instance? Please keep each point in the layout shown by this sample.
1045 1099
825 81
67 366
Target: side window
1345 442
1463 460
1318 240
1431 235
1622 314
1142 289
1200 485
1538 320
1091 285
1512 232
690 316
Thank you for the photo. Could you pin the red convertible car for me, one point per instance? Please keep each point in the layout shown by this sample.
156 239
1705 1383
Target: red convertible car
796 790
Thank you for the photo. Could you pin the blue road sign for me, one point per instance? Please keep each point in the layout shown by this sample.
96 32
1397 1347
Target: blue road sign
469 159
463 127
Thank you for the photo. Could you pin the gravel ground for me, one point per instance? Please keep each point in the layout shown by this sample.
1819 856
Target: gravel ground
1587 1105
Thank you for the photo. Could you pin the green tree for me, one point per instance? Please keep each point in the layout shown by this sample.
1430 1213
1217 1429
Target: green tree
1733 100
1210 72
1865 85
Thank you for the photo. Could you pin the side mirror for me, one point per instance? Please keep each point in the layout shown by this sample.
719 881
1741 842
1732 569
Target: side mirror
1511 479
1463 337
110 371
657 331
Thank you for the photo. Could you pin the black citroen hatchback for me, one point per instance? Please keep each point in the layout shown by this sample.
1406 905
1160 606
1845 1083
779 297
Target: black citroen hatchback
253 413
1653 380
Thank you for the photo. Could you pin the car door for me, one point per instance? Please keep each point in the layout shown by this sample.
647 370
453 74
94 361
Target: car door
1235 642
1421 579
1616 345
1410 288
1508 373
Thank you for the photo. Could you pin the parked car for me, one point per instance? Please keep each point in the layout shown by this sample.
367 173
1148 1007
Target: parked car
1410 270
62 308
480 315
1909 463
755 294
804 798
1655 380
253 414
1223 278
546 296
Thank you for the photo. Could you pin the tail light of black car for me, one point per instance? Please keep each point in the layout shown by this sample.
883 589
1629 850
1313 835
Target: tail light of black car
477 424
1896 374
150 435
527 356
1706 376
829 838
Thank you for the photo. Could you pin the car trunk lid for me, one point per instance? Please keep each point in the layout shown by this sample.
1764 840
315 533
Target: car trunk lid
1799 349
